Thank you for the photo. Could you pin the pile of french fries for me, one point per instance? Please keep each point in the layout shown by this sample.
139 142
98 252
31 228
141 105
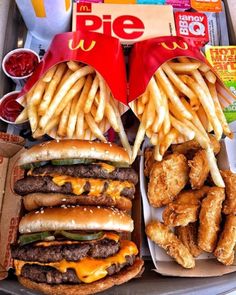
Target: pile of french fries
72 100
181 104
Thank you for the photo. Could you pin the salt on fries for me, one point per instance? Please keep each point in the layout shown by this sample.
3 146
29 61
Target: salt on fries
180 104
73 101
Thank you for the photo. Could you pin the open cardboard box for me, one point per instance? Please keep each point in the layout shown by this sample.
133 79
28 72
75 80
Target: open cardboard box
12 33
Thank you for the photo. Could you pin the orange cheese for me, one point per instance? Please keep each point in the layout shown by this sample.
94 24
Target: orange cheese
110 236
88 269
109 168
114 188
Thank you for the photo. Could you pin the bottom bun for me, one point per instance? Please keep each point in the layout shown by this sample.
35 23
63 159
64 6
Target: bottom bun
83 289
38 200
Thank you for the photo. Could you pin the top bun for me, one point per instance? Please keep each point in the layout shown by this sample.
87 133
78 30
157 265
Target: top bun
74 149
75 218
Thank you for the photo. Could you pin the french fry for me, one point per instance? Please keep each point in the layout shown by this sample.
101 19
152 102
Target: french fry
138 141
214 170
183 68
38 91
210 77
166 121
53 123
91 95
80 124
171 94
182 87
94 127
48 76
204 99
63 120
154 139
63 91
204 120
23 116
50 89
219 111
73 66
32 114
102 99
63 79
157 155
111 116
144 98
204 67
140 106
168 140
149 113
75 90
77 106
182 128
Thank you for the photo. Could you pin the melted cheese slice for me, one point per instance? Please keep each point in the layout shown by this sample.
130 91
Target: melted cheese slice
114 187
88 269
110 236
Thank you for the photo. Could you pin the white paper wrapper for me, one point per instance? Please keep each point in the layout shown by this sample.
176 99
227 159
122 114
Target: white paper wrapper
46 18
206 264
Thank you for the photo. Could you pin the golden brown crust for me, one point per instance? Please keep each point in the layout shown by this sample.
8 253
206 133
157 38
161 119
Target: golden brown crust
74 149
199 169
165 238
224 251
37 200
149 161
185 208
210 218
76 218
188 236
167 179
83 289
229 206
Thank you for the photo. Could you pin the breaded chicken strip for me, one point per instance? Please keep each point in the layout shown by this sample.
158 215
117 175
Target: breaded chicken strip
229 206
199 169
188 236
210 218
166 239
148 161
224 251
167 179
191 146
185 208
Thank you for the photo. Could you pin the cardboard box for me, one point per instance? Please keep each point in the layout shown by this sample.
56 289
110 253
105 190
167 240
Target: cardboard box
11 147
128 22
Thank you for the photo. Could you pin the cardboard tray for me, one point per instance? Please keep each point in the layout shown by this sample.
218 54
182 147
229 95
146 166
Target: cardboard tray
12 34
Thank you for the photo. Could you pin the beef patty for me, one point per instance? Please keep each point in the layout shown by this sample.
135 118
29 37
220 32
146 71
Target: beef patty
70 252
50 275
44 184
88 171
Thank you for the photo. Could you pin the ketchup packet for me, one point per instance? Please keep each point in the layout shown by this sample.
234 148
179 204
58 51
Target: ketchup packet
147 56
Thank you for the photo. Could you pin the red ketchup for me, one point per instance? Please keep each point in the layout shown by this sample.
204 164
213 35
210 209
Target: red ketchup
10 108
21 64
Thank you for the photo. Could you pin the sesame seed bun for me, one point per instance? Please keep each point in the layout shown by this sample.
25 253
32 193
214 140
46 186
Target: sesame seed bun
76 218
74 149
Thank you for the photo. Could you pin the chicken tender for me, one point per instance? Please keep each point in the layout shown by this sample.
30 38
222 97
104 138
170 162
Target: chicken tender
188 236
166 239
148 161
189 148
167 179
210 218
224 251
185 208
199 169
229 206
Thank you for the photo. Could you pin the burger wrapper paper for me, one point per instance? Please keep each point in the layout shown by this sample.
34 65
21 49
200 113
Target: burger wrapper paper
103 53
147 56
11 146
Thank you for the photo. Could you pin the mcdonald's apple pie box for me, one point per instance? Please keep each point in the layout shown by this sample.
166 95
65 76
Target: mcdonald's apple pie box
127 22
146 57
11 146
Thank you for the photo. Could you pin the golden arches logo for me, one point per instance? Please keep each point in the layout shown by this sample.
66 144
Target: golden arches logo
84 8
174 46
81 45
39 7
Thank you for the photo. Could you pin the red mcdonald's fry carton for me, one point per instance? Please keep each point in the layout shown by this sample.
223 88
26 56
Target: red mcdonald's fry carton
105 57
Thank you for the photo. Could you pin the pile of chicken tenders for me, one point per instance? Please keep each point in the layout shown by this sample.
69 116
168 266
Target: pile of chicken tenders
198 216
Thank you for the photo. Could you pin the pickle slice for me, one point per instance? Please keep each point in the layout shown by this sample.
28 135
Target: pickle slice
80 236
118 164
34 165
71 161
31 238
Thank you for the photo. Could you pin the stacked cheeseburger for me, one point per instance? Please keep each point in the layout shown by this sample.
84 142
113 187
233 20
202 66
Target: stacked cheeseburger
78 194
